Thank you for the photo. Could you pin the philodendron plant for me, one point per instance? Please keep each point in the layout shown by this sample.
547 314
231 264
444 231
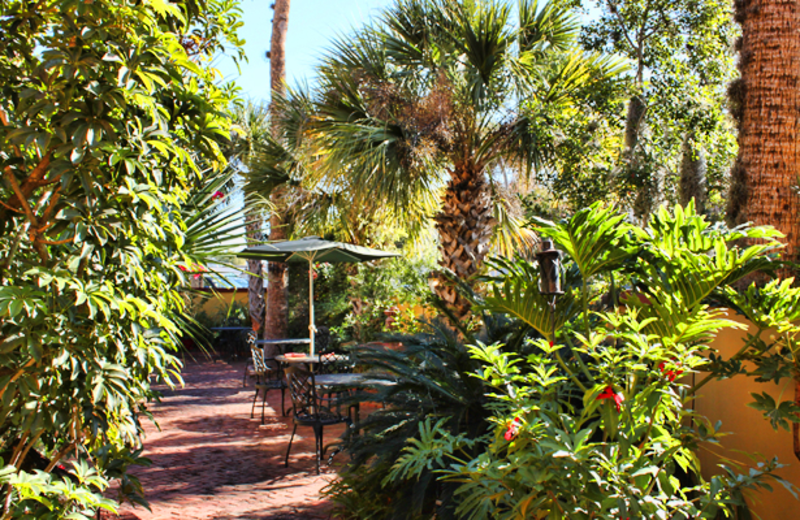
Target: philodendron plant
594 417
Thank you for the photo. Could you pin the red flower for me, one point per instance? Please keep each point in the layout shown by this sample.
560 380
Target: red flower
198 276
217 195
513 429
182 268
671 374
609 393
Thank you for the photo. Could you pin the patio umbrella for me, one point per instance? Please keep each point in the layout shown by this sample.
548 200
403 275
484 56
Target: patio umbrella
313 249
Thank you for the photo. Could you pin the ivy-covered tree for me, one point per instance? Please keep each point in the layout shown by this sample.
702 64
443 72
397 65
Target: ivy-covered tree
677 142
109 115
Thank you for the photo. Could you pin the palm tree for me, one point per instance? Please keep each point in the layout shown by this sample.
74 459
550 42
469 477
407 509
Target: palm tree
766 102
277 312
415 116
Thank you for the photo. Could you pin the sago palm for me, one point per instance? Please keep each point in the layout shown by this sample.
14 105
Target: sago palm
416 115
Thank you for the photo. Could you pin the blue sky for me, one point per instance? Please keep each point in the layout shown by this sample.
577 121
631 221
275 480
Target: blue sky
312 26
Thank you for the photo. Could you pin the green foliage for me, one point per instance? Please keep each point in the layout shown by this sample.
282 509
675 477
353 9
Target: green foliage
598 423
682 56
432 87
433 390
358 302
110 116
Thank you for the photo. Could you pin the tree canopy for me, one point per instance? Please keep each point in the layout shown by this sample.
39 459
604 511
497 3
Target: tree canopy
416 114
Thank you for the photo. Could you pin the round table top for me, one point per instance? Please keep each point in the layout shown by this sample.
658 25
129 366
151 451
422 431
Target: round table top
305 358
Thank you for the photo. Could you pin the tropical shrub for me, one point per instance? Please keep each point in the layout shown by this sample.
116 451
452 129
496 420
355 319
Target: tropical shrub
592 416
109 117
431 379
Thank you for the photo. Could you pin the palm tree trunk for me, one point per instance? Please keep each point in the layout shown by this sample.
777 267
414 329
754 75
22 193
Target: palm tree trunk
767 165
277 306
255 283
465 225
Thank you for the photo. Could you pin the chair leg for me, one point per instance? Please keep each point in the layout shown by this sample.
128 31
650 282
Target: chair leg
255 398
289 449
244 378
263 405
283 398
317 445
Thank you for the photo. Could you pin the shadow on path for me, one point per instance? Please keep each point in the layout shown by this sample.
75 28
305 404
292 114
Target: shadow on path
210 460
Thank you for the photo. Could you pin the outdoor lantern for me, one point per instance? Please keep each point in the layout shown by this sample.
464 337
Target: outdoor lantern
549 266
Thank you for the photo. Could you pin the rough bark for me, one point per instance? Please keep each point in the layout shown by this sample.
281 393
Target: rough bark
692 183
767 164
255 283
277 306
464 224
649 194
633 123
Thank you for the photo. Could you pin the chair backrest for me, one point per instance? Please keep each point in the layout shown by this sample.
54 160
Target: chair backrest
303 391
259 364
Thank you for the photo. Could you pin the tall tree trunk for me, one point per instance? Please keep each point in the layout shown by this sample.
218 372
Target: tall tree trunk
277 306
255 283
633 123
648 196
767 165
766 102
692 184
465 225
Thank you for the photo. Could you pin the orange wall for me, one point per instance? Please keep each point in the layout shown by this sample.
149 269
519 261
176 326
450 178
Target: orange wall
727 401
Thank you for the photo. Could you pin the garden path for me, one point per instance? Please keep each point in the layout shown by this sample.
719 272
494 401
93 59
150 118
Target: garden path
212 461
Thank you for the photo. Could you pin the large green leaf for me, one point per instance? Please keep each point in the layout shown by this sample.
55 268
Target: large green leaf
595 238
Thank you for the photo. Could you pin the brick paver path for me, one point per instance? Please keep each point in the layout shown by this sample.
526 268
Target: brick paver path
212 461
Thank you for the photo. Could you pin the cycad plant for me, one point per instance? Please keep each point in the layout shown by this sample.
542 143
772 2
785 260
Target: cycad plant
414 116
431 380
594 419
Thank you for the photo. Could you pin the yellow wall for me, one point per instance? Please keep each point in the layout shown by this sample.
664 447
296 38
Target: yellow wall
727 401
219 302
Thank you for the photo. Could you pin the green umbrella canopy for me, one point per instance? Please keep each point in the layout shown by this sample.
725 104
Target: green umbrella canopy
313 249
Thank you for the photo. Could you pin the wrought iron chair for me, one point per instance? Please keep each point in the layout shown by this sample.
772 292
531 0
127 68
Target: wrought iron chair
330 361
309 409
268 376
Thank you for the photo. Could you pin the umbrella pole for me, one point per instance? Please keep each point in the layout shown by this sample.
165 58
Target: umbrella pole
311 304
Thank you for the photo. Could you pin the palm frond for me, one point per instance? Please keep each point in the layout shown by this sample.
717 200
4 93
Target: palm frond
595 238
515 292
549 27
484 37
214 228
511 236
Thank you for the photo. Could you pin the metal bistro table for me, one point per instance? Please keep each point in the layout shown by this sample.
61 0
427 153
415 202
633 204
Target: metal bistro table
351 381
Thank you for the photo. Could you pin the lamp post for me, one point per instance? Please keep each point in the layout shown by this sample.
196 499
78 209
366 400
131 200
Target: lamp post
549 259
